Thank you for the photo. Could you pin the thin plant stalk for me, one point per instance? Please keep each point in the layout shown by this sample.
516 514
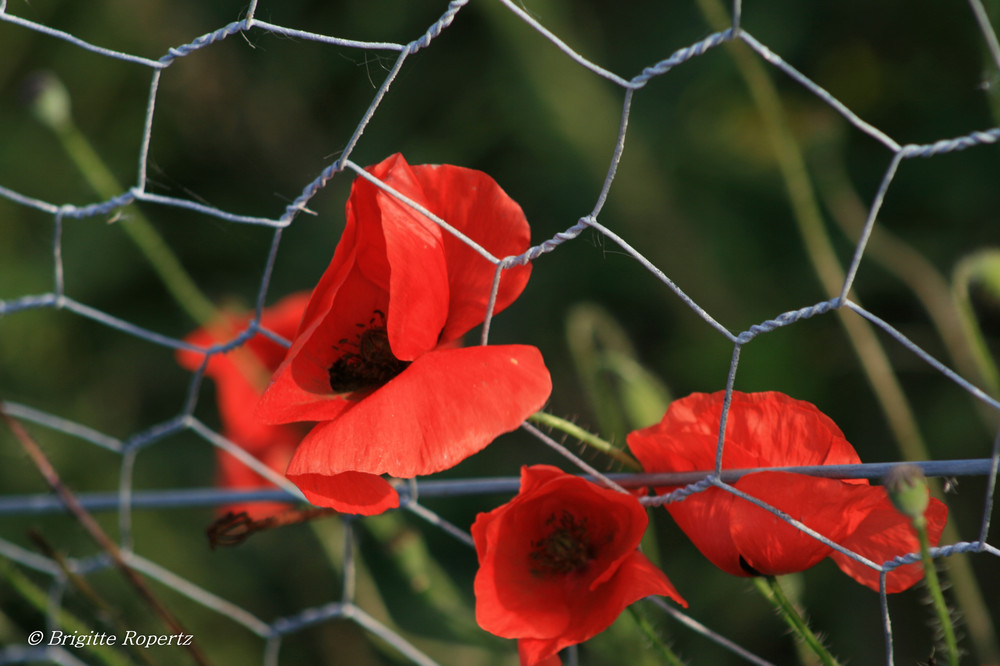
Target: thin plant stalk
934 587
587 438
669 657
51 105
771 589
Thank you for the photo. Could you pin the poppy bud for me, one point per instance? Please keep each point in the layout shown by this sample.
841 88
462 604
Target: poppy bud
908 490
48 99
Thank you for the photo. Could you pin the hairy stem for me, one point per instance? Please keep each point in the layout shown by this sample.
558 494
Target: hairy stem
934 586
668 655
590 439
769 587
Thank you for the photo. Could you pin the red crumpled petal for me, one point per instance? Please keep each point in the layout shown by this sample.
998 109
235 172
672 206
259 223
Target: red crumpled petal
447 405
474 204
509 599
774 430
704 518
418 274
548 612
234 474
767 429
528 653
240 375
885 534
635 579
300 387
428 286
348 492
244 371
774 547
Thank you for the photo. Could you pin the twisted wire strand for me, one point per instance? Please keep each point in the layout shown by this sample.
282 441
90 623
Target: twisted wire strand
786 318
964 142
681 56
438 27
175 52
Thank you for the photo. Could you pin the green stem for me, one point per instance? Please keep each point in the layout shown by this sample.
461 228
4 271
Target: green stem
769 587
591 440
934 586
668 655
968 270
52 109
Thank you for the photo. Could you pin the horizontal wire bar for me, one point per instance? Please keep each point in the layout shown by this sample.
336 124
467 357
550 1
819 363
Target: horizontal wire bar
201 497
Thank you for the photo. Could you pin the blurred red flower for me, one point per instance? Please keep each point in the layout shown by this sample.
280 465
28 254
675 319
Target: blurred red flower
773 430
376 359
559 562
240 377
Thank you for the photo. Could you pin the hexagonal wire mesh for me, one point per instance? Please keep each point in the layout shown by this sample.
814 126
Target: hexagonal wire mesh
73 438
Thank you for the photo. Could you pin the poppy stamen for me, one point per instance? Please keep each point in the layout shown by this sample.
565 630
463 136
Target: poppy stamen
566 549
372 364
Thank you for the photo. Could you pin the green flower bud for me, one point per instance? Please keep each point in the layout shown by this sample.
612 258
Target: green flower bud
48 99
908 490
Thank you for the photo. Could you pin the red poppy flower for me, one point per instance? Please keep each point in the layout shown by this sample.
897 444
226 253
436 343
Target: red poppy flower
375 359
558 563
774 430
240 377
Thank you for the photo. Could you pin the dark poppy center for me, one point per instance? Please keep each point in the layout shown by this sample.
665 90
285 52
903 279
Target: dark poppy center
566 549
368 361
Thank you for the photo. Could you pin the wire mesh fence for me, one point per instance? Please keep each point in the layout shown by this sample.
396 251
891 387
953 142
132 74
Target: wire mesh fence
719 188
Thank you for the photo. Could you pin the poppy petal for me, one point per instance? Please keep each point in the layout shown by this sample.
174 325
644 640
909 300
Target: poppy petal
285 401
418 273
773 547
346 259
778 430
348 492
511 600
532 651
233 473
768 429
704 518
474 204
447 405
885 534
240 375
684 440
300 388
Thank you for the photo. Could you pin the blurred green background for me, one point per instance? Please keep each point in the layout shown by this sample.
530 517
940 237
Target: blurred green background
246 123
